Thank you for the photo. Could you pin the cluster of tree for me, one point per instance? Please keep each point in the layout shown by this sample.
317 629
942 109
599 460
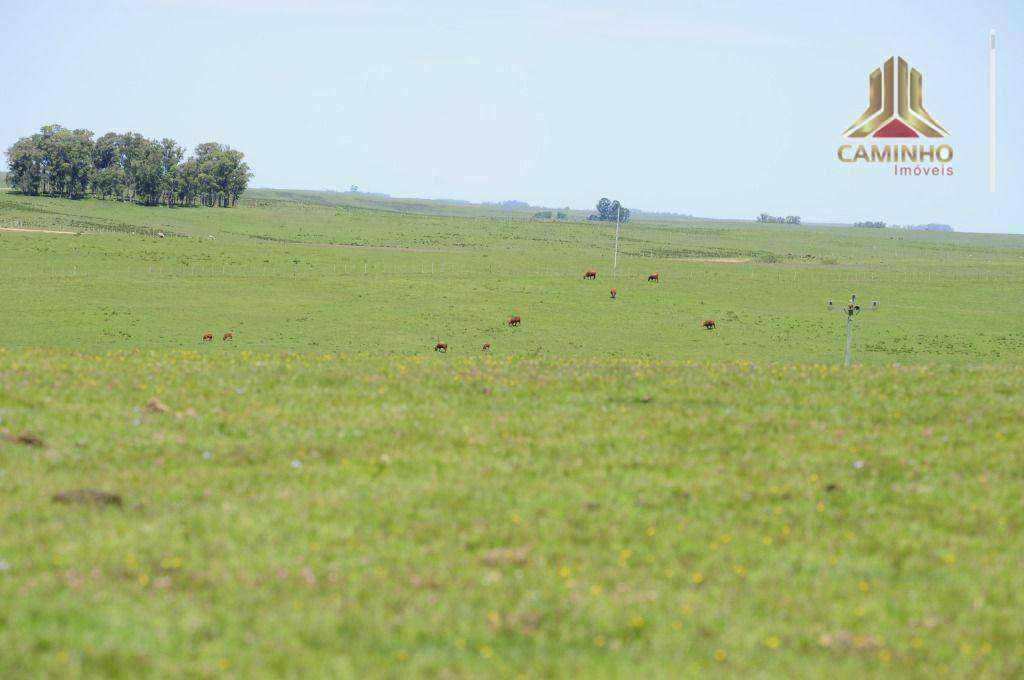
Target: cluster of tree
70 164
789 219
610 211
661 214
548 215
870 225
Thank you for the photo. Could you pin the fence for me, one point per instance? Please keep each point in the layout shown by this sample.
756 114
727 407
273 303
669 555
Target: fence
455 270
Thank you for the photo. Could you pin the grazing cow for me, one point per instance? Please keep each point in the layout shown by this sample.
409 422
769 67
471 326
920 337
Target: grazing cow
441 347
515 320
487 347
614 293
653 277
207 337
590 275
228 336
709 324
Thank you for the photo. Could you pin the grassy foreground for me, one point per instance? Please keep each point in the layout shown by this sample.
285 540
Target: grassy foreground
318 515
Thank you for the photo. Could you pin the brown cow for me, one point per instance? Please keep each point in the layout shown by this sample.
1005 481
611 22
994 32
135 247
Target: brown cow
487 347
515 320
614 293
590 275
207 337
228 336
653 277
441 347
709 324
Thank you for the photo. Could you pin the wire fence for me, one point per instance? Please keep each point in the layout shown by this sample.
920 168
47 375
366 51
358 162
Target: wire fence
455 270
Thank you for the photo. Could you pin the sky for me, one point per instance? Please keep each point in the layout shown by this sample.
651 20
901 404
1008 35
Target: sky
719 109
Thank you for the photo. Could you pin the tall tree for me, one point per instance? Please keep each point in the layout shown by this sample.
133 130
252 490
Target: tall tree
106 151
67 160
170 162
25 162
223 174
147 173
609 210
188 186
130 149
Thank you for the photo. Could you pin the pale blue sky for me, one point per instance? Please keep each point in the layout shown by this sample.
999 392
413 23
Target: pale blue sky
720 109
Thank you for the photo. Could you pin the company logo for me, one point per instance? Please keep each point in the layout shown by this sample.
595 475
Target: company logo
895 107
896 110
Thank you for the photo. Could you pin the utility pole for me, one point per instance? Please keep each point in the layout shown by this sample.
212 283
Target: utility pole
618 213
851 308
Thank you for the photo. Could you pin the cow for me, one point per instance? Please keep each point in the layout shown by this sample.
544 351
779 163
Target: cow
589 275
228 336
614 293
207 337
709 324
653 277
441 347
487 347
515 320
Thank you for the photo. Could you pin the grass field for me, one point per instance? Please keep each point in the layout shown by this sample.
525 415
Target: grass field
288 276
613 492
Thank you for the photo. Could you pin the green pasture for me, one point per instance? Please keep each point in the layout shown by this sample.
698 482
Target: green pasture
611 492
328 276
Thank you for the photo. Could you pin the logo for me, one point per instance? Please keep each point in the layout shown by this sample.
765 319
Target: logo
895 107
896 110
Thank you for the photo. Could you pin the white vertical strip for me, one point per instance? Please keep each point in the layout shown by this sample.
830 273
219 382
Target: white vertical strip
992 112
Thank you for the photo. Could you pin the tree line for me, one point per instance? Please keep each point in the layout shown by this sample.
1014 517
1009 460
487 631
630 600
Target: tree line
790 219
126 166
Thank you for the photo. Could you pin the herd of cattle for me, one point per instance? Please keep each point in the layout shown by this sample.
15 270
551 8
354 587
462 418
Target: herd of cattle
589 275
513 321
